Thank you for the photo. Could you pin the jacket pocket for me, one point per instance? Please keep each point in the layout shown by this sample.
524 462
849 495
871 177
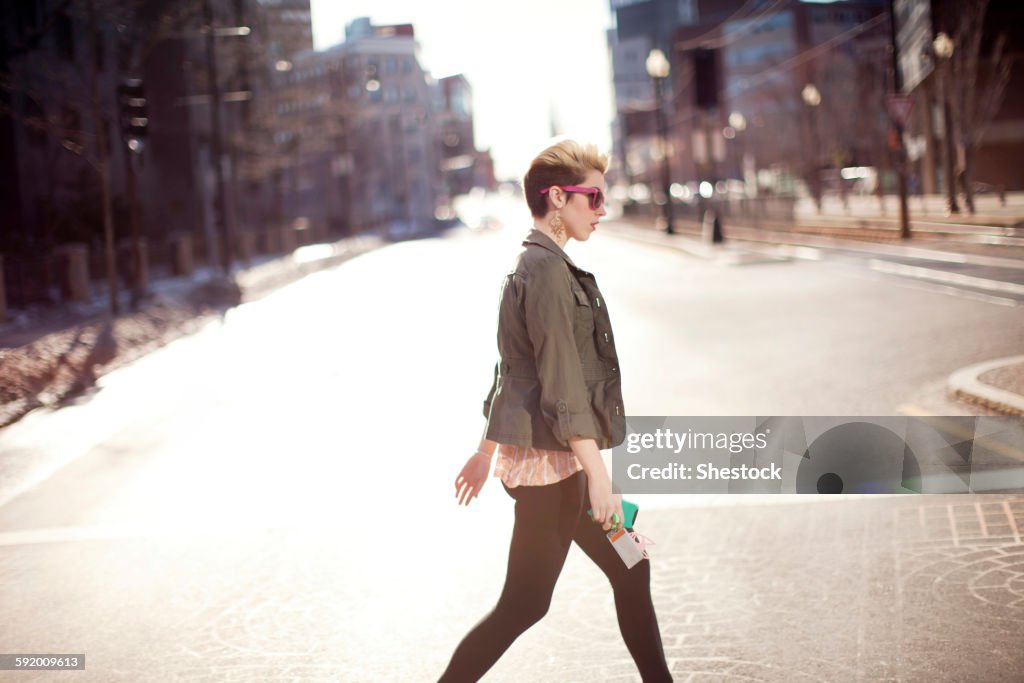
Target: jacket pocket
584 317
581 297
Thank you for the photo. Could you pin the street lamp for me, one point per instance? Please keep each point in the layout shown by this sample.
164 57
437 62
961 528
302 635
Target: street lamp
738 124
658 69
811 95
943 46
738 121
812 98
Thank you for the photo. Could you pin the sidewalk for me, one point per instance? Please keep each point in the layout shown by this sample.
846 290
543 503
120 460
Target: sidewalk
931 208
58 353
995 385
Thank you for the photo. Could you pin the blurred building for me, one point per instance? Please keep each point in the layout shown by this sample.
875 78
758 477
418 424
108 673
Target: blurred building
52 189
770 96
325 143
286 28
463 166
356 131
454 125
792 90
372 140
926 76
640 26
785 93
48 135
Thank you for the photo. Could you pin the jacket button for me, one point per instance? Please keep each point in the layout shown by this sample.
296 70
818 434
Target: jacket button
561 407
605 337
615 369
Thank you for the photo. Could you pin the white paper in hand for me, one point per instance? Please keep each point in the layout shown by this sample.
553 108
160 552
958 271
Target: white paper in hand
625 546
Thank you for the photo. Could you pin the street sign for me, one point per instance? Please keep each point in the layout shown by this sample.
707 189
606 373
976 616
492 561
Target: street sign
914 39
899 108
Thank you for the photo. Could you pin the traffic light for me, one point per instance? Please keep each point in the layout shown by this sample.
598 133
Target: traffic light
132 103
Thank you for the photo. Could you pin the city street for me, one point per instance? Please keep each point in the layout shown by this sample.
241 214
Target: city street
271 499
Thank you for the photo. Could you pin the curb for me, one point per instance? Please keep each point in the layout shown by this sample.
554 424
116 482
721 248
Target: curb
257 281
762 237
729 253
964 385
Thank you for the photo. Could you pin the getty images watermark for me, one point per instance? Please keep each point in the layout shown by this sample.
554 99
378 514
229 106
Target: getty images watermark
820 455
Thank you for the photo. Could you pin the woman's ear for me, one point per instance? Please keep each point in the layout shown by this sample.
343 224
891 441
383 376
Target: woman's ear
556 196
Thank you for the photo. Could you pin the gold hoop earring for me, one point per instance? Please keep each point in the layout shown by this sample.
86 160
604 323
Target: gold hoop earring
556 224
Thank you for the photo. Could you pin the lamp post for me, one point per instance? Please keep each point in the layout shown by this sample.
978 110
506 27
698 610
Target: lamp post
658 69
226 217
738 124
812 98
735 131
943 46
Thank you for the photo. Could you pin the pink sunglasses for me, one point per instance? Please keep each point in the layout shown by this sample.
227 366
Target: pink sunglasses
596 197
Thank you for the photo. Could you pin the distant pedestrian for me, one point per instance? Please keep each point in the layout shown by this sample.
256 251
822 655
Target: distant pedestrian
556 400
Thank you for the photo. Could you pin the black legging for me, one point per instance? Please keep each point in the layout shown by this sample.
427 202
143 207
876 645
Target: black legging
548 519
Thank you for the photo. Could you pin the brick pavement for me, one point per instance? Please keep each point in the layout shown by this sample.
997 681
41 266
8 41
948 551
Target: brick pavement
915 588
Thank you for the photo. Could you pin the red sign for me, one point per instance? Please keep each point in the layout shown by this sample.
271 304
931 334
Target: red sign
899 108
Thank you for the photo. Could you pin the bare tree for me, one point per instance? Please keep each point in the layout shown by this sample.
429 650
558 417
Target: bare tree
78 87
977 87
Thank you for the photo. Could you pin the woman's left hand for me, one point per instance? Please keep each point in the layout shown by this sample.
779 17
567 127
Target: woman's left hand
472 478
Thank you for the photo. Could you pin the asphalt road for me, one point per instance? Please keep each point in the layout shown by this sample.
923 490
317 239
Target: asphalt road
271 498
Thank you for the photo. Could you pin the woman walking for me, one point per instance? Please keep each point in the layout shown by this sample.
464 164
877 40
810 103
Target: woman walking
556 400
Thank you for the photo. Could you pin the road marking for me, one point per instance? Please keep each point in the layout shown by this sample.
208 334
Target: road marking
70 534
929 286
949 278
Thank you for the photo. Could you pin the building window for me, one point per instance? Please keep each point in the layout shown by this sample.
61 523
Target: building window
409 95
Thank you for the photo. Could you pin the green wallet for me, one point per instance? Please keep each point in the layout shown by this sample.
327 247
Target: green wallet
629 509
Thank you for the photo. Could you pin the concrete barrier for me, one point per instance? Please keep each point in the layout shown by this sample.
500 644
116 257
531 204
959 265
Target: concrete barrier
270 241
73 269
244 244
288 240
182 260
126 261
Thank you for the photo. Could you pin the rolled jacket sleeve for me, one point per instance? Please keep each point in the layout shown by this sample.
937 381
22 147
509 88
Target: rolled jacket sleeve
549 309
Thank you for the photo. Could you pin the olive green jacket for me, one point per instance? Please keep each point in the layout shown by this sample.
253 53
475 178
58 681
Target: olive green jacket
558 376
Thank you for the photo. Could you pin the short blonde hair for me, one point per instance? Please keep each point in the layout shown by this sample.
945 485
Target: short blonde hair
564 163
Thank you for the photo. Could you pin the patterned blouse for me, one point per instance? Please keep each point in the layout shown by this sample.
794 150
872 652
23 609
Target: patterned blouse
525 466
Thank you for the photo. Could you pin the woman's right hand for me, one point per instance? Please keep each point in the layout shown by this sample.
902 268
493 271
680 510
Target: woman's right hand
604 503
472 477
